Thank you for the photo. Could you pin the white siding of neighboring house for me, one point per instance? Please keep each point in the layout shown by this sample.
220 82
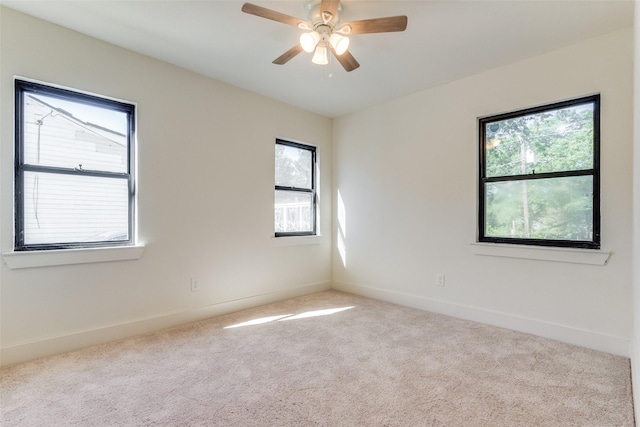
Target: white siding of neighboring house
62 208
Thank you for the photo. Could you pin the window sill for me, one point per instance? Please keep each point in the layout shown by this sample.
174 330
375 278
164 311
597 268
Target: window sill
576 256
296 240
32 259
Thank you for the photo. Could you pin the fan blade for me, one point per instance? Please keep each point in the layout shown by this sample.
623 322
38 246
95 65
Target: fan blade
330 6
288 55
346 59
263 12
378 25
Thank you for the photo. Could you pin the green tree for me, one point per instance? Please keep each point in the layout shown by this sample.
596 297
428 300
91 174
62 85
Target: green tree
549 208
293 166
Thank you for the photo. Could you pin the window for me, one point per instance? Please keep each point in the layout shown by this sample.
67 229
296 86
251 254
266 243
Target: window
295 194
74 184
540 177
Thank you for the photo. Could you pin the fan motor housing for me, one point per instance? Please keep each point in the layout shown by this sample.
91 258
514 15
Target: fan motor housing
314 15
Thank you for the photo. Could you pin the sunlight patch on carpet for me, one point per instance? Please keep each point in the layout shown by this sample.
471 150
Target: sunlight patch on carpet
317 313
258 321
280 318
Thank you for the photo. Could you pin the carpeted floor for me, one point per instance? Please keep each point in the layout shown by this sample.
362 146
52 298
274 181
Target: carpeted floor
328 359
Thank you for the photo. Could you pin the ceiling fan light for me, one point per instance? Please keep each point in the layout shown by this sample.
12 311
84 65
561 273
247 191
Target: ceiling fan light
340 44
320 57
308 41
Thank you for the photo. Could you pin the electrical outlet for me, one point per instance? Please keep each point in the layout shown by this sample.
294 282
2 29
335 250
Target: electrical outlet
440 280
195 285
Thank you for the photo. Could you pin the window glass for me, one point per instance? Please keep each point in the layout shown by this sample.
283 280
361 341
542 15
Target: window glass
293 211
556 140
65 209
554 208
64 137
293 166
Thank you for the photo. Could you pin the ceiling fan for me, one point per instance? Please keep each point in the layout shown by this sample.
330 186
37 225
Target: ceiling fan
325 32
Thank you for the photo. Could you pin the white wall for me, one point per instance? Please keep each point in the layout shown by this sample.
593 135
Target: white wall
206 159
406 174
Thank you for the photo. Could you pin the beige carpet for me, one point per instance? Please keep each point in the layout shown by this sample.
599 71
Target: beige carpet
375 364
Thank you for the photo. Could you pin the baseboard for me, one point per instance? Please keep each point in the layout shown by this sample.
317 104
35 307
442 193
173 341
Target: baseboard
634 349
62 344
584 338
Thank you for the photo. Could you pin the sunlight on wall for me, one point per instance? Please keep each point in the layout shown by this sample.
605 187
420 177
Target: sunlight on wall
342 250
280 318
342 216
342 230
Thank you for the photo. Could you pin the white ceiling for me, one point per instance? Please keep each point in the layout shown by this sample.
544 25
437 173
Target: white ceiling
444 40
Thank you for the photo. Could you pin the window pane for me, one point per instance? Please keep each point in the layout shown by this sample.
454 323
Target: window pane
555 208
293 166
67 134
293 212
66 209
551 141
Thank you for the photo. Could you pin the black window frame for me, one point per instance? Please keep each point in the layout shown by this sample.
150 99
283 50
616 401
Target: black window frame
311 191
483 180
23 87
